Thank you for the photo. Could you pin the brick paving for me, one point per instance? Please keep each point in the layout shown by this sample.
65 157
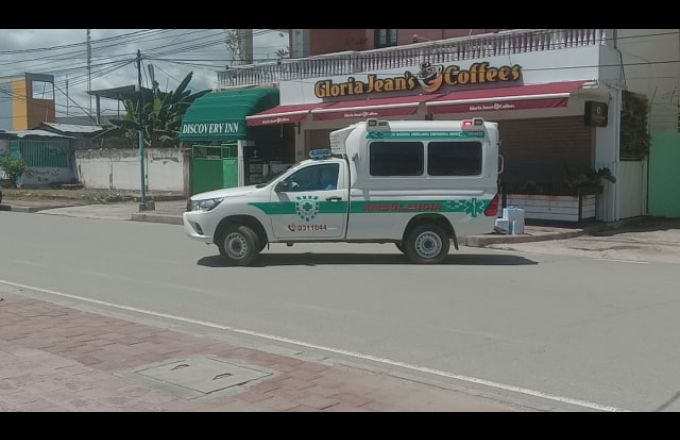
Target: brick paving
56 358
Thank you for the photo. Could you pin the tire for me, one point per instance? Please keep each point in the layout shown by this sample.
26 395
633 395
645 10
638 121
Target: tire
427 243
261 244
239 245
400 246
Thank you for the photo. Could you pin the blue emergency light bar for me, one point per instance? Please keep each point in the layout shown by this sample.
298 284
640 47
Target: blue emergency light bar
320 154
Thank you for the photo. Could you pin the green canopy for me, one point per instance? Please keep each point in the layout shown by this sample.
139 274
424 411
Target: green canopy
221 116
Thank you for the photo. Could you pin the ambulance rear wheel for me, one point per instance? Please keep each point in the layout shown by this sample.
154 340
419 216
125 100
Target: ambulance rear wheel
427 243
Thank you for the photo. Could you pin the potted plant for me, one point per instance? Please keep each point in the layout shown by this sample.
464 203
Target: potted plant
590 181
15 168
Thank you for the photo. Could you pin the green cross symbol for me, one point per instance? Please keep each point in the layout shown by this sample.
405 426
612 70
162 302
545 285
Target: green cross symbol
307 206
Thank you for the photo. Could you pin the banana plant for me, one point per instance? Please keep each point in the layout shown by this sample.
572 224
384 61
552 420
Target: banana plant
161 115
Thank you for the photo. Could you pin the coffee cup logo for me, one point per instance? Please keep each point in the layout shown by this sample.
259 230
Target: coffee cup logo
430 77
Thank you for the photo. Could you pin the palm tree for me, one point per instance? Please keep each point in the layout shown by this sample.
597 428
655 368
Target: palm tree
161 115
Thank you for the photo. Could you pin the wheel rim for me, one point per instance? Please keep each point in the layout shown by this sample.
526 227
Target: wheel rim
235 246
428 245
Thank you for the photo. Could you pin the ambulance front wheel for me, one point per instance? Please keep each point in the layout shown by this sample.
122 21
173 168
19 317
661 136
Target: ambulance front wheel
239 245
427 243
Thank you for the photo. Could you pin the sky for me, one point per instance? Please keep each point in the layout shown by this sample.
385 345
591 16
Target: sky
173 52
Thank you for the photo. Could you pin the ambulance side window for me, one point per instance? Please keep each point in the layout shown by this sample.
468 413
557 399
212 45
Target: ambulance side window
395 159
322 177
454 158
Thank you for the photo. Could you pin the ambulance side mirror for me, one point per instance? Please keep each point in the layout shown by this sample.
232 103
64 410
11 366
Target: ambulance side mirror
282 186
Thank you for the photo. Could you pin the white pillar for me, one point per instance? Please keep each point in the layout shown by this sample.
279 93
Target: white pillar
607 145
241 163
240 144
299 143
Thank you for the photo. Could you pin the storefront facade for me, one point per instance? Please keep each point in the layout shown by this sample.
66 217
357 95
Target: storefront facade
558 110
218 119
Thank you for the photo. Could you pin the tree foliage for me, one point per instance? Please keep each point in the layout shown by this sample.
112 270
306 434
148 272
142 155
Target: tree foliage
161 115
14 168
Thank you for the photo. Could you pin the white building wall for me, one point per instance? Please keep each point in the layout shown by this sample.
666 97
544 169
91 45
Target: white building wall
631 182
646 54
119 169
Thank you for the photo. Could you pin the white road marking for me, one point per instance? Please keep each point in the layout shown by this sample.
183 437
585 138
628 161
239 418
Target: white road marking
357 355
621 261
30 263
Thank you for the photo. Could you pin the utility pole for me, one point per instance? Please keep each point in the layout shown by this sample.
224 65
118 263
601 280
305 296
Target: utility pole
66 95
142 204
240 43
89 68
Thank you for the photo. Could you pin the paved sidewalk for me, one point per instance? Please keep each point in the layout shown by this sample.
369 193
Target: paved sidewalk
531 234
651 240
56 358
107 211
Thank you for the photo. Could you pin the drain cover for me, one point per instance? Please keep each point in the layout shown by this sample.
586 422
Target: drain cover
203 375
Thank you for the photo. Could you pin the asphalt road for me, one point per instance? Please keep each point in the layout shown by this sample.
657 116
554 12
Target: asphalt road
571 327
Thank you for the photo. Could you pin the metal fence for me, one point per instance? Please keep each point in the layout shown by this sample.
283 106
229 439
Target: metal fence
51 154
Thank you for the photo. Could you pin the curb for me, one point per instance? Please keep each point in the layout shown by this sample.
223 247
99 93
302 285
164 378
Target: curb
167 219
483 240
621 224
32 208
23 208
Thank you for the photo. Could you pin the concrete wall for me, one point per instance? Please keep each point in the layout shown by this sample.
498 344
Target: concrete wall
630 181
120 169
336 40
44 176
323 41
646 53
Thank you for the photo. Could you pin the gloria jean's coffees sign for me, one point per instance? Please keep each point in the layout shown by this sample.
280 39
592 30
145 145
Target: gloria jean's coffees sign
430 79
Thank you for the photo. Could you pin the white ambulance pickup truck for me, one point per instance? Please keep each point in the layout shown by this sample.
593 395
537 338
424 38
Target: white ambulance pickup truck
418 184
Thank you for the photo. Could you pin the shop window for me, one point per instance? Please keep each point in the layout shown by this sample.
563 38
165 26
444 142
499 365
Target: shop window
385 37
394 159
454 158
317 139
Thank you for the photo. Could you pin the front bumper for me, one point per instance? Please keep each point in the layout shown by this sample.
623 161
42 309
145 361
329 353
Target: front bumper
195 227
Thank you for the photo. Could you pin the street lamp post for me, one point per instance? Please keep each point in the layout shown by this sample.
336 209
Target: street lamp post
142 204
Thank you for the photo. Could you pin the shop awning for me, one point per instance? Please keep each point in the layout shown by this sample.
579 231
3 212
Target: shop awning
221 116
372 108
550 95
283 114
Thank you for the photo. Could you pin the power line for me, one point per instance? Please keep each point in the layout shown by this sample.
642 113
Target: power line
68 55
89 67
77 105
167 74
175 50
40 49
100 74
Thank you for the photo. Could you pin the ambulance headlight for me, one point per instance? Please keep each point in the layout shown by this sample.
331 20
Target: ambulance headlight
205 204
